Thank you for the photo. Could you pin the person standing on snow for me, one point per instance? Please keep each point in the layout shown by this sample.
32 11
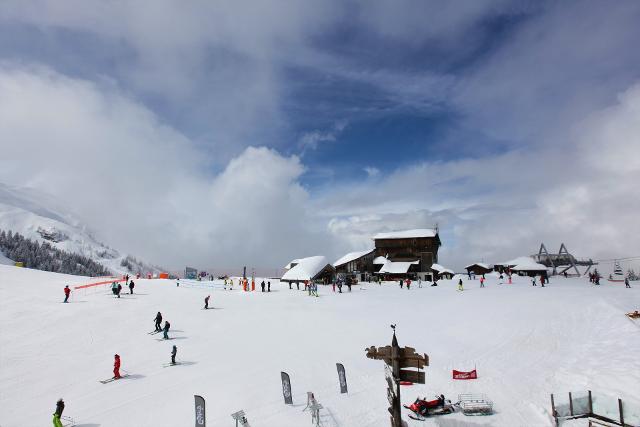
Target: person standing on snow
262 285
131 286
542 280
167 325
419 282
58 413
114 288
118 290
116 367
174 351
206 302
408 284
626 283
67 292
481 282
401 283
158 320
460 288
269 286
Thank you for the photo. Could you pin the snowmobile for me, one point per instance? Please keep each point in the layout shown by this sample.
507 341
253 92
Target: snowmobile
423 408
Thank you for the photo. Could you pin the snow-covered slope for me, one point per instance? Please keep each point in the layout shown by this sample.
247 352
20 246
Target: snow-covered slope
526 342
38 216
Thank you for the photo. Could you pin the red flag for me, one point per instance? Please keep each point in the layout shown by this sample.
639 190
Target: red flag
461 375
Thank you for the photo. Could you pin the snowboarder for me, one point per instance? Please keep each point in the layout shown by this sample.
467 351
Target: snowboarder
262 285
206 302
131 286
158 320
67 292
460 288
167 325
116 367
58 413
174 351
626 283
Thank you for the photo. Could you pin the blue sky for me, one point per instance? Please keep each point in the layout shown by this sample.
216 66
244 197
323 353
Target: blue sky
334 120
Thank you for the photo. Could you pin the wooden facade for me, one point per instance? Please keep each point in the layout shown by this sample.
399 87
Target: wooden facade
364 264
422 249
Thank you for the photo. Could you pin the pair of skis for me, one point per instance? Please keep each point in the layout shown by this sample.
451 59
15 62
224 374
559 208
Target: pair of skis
113 379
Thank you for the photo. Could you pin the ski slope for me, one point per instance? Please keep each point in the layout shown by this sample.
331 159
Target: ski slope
526 342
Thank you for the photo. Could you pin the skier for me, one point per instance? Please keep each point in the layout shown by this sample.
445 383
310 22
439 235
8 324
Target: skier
58 413
408 284
131 286
67 292
269 286
481 282
206 302
114 288
340 286
401 283
533 281
262 285
626 283
116 367
174 351
542 280
158 320
460 288
469 274
119 289
167 325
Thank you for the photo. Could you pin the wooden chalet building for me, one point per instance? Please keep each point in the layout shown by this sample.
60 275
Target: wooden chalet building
410 253
359 264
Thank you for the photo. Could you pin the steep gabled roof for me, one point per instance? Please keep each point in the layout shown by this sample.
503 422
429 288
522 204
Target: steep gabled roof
351 256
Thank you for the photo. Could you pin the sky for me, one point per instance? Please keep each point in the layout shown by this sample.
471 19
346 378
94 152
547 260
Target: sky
222 133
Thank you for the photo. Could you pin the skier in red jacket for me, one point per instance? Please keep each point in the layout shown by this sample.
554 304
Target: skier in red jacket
116 367
67 292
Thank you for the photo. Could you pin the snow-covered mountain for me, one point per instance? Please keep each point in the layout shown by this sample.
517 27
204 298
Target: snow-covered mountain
40 217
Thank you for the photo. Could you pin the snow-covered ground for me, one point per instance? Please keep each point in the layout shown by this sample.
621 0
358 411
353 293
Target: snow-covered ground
526 342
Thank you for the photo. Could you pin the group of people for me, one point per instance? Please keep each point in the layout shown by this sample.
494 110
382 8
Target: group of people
116 287
167 325
268 285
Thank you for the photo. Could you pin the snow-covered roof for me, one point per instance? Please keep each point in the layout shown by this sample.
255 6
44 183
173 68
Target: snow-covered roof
380 260
516 261
306 269
351 256
289 266
398 267
479 264
530 266
440 269
407 234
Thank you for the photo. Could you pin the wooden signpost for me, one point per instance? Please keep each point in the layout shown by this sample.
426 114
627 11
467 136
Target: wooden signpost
401 363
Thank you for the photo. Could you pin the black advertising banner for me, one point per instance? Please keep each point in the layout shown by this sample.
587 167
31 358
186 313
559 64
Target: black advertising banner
200 416
342 378
286 388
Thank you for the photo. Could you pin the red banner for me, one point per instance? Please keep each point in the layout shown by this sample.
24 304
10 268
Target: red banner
461 375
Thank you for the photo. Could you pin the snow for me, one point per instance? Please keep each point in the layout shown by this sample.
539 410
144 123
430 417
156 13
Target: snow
4 260
526 342
306 269
407 234
396 267
530 266
480 264
31 213
350 257
380 260
516 261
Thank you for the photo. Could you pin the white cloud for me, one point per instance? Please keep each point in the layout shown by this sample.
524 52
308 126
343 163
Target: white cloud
371 171
142 185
